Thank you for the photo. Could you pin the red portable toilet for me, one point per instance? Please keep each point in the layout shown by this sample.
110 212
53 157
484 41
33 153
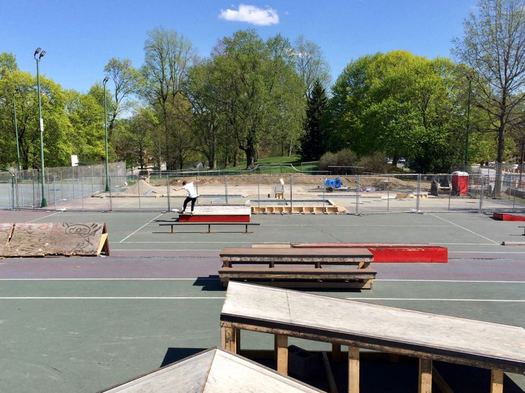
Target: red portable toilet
459 183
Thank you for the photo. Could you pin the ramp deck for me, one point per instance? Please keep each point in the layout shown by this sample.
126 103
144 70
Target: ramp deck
359 325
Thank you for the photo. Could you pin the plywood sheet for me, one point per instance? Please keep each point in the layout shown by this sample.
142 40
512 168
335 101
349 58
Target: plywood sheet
32 239
489 344
219 210
295 252
6 229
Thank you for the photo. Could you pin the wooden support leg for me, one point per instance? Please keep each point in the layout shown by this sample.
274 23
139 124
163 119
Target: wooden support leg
353 370
425 376
496 381
229 338
336 352
281 351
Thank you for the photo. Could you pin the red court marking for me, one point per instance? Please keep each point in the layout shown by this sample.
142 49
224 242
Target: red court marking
508 217
393 253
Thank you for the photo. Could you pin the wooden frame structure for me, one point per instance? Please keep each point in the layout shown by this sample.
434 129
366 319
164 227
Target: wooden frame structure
299 267
428 337
213 371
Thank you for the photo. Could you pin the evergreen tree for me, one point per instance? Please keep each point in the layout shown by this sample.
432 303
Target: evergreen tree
313 143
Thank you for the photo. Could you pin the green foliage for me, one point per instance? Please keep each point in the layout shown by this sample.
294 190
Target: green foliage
398 104
313 143
343 158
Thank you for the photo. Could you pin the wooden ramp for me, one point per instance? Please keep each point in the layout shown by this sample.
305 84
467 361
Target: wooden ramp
213 371
299 267
44 239
358 325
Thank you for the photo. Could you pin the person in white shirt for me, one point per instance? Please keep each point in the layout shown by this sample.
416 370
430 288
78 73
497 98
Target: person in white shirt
192 195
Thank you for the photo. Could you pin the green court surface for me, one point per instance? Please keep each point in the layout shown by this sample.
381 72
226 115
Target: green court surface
84 333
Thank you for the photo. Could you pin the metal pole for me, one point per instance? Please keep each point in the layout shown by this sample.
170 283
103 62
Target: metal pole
482 191
16 134
468 121
38 55
106 154
226 189
357 191
418 191
291 193
388 194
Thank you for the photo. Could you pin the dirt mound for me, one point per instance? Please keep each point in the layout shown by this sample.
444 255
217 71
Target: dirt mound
143 188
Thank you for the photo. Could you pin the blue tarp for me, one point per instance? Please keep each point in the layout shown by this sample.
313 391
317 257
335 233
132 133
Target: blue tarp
333 183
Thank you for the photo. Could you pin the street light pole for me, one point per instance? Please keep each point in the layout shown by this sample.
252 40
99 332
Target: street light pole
106 79
39 53
16 134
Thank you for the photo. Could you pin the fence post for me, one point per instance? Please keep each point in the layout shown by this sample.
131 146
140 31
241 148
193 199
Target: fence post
291 193
168 190
418 190
226 189
12 192
388 194
357 193
258 192
482 191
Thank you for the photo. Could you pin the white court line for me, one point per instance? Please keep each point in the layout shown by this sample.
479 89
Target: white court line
452 281
112 298
241 242
487 252
214 279
222 298
465 229
143 226
111 279
417 299
41 218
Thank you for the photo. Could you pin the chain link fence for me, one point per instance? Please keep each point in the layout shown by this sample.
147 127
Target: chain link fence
84 188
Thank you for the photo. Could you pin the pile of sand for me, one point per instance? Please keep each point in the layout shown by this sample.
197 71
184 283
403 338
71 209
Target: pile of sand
143 188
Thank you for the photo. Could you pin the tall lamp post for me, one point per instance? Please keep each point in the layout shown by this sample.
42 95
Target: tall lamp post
16 133
106 79
39 53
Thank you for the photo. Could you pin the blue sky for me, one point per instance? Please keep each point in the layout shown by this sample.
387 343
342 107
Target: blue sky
80 36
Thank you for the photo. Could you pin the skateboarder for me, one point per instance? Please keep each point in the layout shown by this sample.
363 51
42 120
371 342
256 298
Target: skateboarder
192 195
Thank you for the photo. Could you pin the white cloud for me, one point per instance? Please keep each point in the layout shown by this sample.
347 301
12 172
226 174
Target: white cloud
251 14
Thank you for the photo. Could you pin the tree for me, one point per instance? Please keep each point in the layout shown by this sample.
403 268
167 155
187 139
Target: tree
494 46
313 141
57 131
260 93
86 117
134 137
310 64
398 104
168 57
126 80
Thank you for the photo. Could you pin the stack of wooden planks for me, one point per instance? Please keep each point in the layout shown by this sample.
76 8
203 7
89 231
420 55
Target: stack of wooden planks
299 267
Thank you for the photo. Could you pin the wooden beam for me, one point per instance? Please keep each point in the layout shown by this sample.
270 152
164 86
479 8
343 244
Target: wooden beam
496 381
336 352
332 385
425 376
353 370
229 338
440 382
281 352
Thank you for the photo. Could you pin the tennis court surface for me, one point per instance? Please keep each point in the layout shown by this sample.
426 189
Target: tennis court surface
83 324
